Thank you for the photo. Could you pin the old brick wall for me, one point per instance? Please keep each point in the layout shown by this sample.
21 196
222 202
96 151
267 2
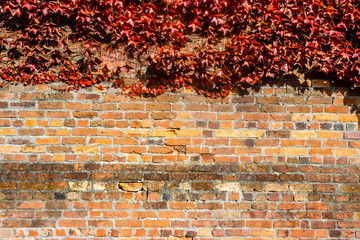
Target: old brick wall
273 162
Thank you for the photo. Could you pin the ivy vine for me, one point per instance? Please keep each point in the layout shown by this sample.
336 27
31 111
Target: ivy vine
211 46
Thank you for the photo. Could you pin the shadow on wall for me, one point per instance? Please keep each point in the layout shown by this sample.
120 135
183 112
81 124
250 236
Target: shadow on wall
318 84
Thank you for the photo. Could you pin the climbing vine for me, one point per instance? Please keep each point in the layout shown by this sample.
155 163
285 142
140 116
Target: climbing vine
211 46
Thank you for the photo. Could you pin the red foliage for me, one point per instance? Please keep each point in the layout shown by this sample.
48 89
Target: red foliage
263 38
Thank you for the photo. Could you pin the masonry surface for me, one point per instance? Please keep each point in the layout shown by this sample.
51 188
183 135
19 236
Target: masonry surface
273 162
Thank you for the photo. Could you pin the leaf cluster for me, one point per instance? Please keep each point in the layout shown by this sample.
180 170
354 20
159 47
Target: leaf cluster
242 42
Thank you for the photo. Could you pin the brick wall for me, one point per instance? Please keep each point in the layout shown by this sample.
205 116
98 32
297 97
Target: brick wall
274 162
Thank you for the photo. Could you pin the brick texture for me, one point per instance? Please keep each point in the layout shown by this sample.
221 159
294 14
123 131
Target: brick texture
278 162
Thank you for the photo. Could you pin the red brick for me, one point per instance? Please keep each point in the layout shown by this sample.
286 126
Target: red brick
286 224
30 114
323 224
77 106
259 223
157 223
50 105
30 205
130 223
72 223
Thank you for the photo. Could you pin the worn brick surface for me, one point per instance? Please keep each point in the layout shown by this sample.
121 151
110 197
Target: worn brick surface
279 162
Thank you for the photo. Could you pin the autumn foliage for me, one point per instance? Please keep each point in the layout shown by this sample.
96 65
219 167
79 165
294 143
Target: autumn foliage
211 46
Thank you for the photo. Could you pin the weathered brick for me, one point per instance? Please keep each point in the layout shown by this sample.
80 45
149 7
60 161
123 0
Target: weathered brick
301 187
137 115
8 185
131 187
133 149
276 187
6 233
84 114
137 133
13 114
31 132
104 106
86 149
80 186
252 133
33 149
228 186
350 188
50 105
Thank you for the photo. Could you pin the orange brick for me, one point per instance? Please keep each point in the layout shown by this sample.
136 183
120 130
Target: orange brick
178 141
101 141
163 133
303 134
133 149
47 140
301 117
60 132
321 151
7 132
189 133
227 133
349 117
157 223
128 223
30 122
161 150
326 117
345 152
294 151
247 151
329 134
111 132
259 223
